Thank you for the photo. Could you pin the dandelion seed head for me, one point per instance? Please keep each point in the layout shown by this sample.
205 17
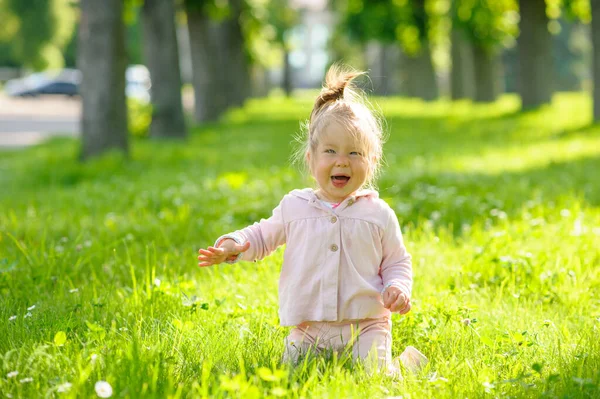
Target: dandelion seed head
103 389
64 387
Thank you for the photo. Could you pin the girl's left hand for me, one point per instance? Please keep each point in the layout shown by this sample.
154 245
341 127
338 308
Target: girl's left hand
395 300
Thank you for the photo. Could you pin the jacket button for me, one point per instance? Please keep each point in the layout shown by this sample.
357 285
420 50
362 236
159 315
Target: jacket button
333 248
333 219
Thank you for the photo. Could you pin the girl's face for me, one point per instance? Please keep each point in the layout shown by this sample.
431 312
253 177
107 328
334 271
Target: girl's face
339 164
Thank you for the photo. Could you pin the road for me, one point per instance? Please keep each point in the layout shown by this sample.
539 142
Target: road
27 121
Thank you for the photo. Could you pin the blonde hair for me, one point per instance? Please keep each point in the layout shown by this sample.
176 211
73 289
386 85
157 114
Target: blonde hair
340 101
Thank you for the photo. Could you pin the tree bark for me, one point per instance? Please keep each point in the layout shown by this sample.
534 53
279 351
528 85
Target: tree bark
462 74
419 75
102 62
235 60
287 73
210 99
487 70
596 57
162 59
535 57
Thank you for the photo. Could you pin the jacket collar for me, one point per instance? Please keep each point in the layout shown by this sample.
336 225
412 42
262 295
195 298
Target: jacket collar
309 195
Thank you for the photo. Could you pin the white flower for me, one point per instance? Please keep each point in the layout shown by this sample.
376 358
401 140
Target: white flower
12 374
31 307
93 357
11 318
103 389
466 322
26 380
64 387
74 290
27 315
157 282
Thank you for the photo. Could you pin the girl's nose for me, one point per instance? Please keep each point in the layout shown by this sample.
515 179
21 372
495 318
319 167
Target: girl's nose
342 161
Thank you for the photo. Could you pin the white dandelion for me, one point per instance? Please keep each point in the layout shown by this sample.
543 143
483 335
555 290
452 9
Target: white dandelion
64 387
103 389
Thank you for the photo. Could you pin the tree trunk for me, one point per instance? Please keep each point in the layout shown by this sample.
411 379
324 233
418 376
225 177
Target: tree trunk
382 62
162 59
535 57
596 57
209 92
102 62
462 74
419 75
486 75
287 73
236 61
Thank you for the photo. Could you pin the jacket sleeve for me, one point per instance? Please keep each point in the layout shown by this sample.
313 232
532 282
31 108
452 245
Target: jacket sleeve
264 236
396 265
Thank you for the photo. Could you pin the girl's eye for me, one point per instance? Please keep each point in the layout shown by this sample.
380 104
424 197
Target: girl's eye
356 153
330 151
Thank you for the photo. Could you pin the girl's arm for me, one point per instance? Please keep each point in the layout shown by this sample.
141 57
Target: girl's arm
251 243
396 265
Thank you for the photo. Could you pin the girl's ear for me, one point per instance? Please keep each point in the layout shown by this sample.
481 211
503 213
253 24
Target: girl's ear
308 157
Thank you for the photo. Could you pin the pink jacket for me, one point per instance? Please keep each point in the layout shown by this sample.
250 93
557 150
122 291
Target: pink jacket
336 261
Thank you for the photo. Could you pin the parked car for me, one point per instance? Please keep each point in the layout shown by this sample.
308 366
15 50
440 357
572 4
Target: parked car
65 82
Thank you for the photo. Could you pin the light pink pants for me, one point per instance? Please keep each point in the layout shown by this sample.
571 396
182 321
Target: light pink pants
369 339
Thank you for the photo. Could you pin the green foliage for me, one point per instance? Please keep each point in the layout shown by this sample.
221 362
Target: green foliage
488 23
139 115
577 9
44 29
500 210
407 22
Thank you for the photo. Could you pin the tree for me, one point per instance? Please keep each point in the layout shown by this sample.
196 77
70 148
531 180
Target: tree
406 23
535 58
283 18
102 61
487 25
162 59
462 82
37 31
219 60
596 57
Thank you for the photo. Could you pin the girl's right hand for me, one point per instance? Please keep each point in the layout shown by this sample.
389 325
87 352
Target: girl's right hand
227 249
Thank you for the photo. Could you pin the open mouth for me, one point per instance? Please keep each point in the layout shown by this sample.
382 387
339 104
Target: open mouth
340 180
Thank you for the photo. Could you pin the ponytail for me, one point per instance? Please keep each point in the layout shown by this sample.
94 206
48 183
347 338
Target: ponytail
338 86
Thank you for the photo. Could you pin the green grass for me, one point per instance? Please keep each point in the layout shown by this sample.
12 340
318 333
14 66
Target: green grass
500 210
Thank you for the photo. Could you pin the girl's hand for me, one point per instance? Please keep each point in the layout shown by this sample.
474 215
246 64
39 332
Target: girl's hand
214 255
395 300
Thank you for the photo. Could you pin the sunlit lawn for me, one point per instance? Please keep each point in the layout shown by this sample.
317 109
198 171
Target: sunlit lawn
501 211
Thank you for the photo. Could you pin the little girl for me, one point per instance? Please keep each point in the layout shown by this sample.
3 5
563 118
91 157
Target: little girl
345 265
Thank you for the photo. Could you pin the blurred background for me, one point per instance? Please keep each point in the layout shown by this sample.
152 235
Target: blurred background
111 69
